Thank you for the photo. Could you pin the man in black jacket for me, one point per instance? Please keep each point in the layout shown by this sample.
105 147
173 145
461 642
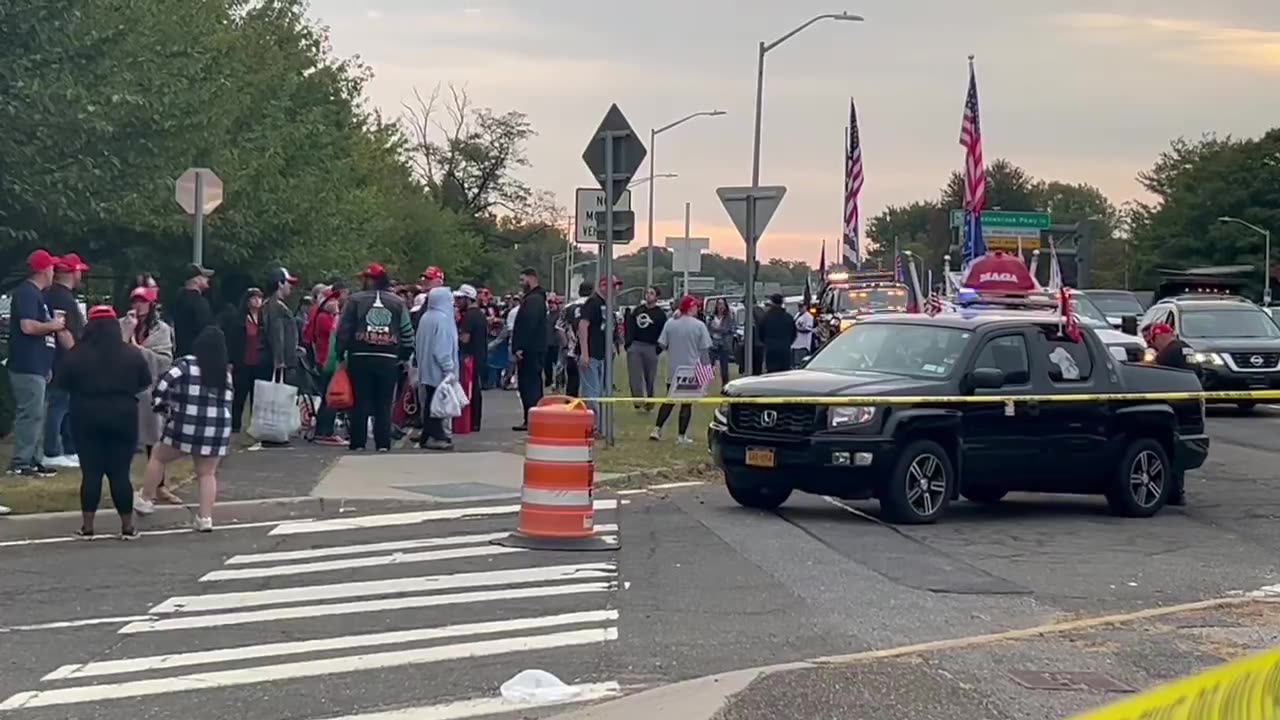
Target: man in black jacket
191 312
529 343
777 332
644 327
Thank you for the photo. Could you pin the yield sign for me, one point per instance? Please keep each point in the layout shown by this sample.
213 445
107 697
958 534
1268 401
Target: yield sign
628 152
210 190
767 198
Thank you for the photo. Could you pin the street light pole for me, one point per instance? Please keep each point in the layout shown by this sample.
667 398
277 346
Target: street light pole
653 141
1266 252
749 294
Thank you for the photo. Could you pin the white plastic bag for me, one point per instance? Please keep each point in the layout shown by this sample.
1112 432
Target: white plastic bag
449 399
275 411
537 686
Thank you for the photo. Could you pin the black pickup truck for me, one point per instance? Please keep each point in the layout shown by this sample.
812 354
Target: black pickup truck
918 457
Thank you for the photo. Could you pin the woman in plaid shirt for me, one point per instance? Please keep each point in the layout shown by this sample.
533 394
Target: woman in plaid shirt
196 396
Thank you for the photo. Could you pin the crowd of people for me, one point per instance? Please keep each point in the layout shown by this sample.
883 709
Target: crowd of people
93 387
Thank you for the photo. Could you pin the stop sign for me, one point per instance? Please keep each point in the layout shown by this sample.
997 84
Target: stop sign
210 186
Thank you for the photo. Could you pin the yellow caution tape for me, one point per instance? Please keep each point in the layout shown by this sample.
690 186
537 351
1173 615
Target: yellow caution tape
1247 689
1213 397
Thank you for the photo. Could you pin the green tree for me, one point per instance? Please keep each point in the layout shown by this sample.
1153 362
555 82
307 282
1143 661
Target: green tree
1009 187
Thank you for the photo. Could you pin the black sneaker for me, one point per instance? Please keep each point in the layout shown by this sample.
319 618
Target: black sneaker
29 471
520 428
44 472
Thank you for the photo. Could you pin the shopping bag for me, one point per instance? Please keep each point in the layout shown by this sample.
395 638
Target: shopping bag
339 396
449 399
275 411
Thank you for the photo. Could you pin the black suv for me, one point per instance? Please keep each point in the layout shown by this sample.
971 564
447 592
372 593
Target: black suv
1236 344
916 458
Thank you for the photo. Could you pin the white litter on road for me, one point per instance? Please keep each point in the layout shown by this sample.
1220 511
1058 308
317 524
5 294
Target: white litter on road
483 707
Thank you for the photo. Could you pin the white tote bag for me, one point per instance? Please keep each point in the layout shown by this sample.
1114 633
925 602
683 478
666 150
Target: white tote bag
449 399
275 410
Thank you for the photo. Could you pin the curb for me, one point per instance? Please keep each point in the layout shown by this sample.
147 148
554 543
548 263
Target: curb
160 509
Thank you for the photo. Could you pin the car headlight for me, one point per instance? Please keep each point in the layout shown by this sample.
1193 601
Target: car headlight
845 325
852 416
1208 358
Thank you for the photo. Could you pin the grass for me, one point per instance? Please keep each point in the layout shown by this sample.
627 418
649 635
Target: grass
62 492
634 451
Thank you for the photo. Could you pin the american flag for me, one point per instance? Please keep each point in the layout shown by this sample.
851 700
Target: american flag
1070 327
933 305
704 372
852 187
897 264
975 175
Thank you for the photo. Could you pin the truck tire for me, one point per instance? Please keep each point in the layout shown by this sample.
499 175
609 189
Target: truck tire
1143 480
756 496
983 495
921 485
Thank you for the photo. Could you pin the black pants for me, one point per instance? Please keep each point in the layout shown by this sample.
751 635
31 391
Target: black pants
242 379
549 366
373 382
686 414
529 380
432 427
777 359
106 448
757 360
572 381
325 415
477 398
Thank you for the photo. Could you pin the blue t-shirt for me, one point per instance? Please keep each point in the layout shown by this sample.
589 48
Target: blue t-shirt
29 354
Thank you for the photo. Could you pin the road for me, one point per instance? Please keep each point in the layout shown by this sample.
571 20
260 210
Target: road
410 606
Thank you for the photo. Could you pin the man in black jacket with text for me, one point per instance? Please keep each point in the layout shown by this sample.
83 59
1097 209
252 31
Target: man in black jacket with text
529 343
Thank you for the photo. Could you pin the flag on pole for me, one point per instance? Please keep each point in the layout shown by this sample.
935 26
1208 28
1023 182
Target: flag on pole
975 176
1055 269
897 262
852 187
704 372
822 264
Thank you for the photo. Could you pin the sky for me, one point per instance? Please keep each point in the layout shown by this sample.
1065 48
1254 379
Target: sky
1081 91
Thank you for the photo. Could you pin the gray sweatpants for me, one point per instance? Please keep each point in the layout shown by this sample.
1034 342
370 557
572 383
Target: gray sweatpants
28 421
642 368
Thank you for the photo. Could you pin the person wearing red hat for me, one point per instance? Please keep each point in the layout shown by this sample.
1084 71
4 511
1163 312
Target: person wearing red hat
374 336
432 277
59 445
33 337
103 375
687 343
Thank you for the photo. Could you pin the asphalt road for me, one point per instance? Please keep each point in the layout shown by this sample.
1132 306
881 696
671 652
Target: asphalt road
422 611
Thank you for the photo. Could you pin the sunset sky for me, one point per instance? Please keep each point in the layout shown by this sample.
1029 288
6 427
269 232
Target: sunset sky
1089 94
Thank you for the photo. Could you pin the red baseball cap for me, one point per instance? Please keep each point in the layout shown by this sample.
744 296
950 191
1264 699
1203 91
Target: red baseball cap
1153 331
143 293
70 262
687 304
433 273
103 312
40 261
374 271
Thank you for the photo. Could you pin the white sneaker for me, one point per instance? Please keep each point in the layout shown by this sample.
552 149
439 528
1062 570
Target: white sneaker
202 524
5 510
684 440
75 458
656 434
62 461
143 506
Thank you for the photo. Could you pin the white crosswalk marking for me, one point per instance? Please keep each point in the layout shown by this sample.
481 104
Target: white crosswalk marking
391 602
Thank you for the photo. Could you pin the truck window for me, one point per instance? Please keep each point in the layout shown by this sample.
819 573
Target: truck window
1007 353
1066 361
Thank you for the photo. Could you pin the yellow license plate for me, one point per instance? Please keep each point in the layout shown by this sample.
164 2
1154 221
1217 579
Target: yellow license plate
760 457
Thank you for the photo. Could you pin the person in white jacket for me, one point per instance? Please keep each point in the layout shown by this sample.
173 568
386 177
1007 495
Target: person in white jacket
436 350
802 346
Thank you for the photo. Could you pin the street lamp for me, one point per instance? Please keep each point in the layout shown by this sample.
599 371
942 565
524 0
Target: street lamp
1266 264
653 141
748 330
651 178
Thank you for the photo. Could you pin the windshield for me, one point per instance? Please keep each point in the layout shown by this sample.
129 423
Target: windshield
872 299
1082 305
919 351
1117 303
1245 322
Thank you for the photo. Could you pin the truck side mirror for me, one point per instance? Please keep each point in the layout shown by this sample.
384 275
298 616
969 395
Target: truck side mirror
987 378
1129 324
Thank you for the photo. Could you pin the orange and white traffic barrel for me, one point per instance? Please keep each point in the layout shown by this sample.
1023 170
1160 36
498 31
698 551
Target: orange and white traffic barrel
557 498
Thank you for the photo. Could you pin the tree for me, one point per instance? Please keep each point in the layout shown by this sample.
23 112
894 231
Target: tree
1197 182
1009 187
920 227
469 160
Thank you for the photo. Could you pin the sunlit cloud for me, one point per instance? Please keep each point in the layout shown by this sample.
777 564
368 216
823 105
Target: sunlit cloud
1187 40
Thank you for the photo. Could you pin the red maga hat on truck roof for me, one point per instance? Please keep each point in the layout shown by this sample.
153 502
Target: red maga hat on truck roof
997 272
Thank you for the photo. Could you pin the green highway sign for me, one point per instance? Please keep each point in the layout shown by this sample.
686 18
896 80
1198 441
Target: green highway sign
1006 220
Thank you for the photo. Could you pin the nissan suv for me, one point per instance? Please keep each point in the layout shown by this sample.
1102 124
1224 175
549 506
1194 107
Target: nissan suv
1236 344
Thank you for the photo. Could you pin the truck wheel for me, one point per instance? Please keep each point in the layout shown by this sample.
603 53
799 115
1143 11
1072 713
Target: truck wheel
1246 408
920 487
1143 481
984 495
756 495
